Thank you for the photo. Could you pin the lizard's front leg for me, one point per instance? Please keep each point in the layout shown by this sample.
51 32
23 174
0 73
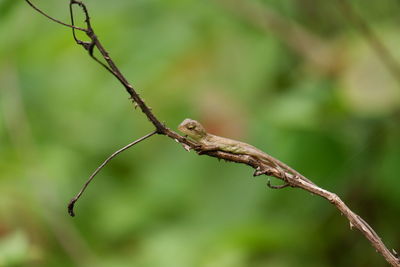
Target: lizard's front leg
203 148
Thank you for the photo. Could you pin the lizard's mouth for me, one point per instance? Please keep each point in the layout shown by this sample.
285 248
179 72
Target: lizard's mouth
181 128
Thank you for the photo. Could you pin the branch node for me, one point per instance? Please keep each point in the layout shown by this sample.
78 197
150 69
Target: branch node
334 199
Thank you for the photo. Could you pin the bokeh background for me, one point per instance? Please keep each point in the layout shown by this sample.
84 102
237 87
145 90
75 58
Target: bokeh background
296 78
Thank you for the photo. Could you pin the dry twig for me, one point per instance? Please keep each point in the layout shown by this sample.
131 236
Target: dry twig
113 155
292 180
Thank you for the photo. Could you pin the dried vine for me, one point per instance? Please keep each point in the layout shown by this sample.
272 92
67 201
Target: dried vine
292 180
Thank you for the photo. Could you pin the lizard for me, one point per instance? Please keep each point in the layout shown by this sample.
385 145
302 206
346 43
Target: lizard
210 142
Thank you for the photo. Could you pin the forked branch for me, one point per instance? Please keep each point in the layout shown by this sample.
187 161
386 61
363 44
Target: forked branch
260 167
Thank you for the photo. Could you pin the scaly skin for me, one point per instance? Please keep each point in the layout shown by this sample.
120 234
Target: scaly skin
212 142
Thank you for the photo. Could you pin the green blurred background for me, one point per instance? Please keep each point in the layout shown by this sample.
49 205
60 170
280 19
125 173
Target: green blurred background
293 77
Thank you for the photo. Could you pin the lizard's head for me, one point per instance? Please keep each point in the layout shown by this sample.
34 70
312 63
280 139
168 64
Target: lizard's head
193 129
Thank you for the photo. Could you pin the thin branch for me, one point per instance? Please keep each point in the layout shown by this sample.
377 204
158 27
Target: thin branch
380 49
53 19
294 179
355 221
113 155
161 129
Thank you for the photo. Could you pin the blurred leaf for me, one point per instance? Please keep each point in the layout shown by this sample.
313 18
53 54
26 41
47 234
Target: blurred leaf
6 7
14 249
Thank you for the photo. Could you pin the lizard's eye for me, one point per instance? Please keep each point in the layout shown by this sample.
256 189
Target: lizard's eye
191 127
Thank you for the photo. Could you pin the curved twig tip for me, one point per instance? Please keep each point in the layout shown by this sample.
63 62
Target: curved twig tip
113 155
71 207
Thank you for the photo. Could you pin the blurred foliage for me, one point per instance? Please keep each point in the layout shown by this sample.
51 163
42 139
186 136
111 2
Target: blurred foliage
333 118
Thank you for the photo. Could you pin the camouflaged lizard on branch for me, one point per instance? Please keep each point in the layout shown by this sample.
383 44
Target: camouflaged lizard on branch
210 142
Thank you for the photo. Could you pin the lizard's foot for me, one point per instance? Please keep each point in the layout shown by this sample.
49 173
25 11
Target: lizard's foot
201 152
185 137
260 171
197 147
277 186
201 149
